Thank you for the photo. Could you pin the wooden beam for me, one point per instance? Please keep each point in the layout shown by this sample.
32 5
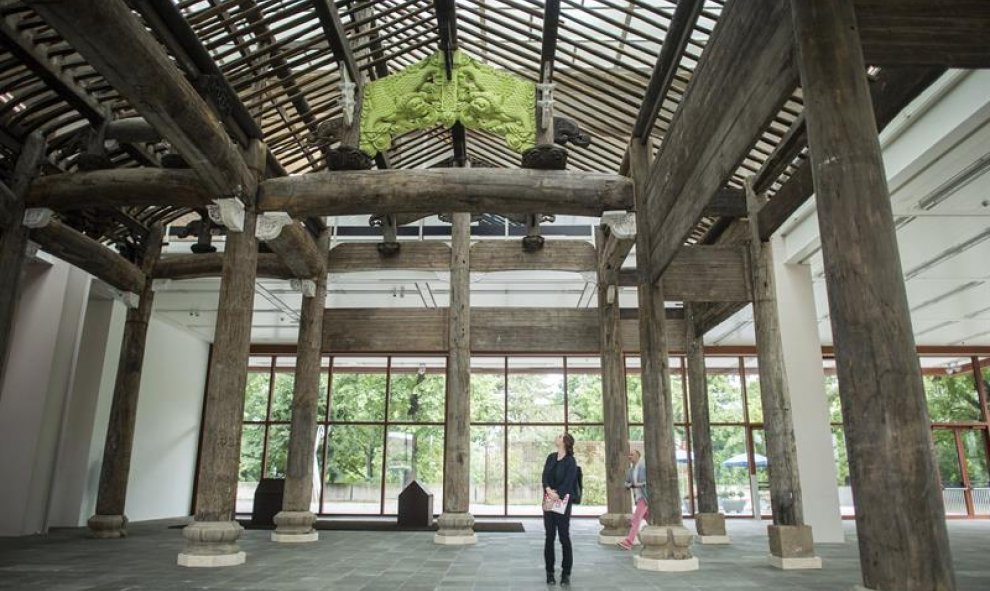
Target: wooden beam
298 251
703 274
109 36
493 330
201 266
490 256
121 187
475 190
951 33
89 255
727 203
413 256
618 233
890 92
333 30
725 108
678 34
10 205
548 52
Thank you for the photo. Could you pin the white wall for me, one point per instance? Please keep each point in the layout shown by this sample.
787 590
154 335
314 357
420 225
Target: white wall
166 437
47 327
80 457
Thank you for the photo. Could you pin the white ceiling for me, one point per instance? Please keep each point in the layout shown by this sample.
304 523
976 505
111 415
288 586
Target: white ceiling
937 155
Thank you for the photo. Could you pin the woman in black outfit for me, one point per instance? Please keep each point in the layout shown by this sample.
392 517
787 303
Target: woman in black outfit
559 480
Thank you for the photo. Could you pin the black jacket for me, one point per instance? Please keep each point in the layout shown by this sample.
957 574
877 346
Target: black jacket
560 475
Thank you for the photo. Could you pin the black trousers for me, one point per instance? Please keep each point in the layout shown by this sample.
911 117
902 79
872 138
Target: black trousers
556 524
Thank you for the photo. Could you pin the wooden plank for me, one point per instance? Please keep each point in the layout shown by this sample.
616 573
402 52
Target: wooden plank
89 255
333 30
493 330
708 273
900 517
120 187
727 203
351 257
701 435
489 256
890 92
10 206
744 75
616 236
108 35
951 33
473 190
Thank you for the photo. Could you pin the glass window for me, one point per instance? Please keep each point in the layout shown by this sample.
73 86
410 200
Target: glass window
413 453
846 505
677 390
725 404
256 395
322 403
536 390
589 451
832 392
634 390
282 394
278 451
528 450
358 389
249 472
487 470
488 389
754 403
731 472
952 397
584 390
354 469
418 389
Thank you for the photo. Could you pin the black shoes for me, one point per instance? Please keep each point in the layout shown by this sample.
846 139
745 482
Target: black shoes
565 580
550 579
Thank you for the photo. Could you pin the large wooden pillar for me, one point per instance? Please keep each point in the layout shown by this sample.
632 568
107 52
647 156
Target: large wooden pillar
110 520
709 523
456 524
295 521
900 517
212 538
615 521
13 239
666 542
791 541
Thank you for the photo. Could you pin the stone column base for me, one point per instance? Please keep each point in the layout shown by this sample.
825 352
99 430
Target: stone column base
666 548
615 527
455 529
714 540
711 528
211 544
792 547
105 527
295 527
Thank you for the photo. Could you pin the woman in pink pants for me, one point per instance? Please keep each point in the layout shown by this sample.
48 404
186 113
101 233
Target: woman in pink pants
636 482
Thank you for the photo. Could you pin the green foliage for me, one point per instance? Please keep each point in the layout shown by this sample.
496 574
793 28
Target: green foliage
952 397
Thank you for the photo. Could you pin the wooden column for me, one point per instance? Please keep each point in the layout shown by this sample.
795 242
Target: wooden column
791 541
13 239
110 520
212 538
709 522
456 525
900 517
615 521
666 542
295 521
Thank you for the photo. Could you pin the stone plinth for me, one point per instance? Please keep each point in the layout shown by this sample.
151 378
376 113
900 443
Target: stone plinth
711 528
211 544
455 529
106 527
295 527
666 548
615 527
792 547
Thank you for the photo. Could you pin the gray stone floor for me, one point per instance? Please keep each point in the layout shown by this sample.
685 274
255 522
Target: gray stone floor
66 560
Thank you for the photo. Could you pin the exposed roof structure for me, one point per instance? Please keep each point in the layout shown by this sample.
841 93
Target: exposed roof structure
276 57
